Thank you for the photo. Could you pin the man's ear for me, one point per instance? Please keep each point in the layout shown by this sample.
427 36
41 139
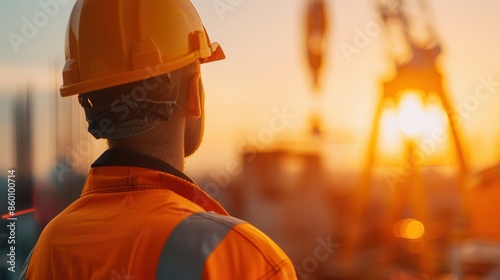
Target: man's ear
194 97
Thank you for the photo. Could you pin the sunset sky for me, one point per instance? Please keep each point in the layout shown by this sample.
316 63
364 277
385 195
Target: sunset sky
266 71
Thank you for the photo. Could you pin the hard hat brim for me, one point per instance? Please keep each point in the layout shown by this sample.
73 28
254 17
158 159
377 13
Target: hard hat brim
217 53
140 74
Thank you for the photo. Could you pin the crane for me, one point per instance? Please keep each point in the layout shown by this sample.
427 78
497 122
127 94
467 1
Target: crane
415 50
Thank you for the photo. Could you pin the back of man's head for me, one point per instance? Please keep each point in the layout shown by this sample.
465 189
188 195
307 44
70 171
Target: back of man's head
134 108
133 63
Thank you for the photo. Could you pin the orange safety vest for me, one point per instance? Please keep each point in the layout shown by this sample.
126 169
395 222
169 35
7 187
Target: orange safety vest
139 218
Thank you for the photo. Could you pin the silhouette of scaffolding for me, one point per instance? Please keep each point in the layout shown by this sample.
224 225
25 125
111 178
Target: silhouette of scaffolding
23 146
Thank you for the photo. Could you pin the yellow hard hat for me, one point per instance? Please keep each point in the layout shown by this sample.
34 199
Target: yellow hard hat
115 42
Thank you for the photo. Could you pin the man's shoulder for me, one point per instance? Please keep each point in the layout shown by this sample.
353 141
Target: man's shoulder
251 239
211 241
212 224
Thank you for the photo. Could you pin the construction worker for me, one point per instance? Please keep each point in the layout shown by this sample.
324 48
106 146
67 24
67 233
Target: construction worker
135 66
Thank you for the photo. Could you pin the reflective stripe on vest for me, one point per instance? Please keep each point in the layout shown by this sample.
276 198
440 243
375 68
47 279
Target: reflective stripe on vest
190 243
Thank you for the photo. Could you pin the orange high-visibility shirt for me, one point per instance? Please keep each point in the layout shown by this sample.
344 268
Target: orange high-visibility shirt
139 218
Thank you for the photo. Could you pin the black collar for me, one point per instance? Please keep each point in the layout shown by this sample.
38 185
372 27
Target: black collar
122 157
